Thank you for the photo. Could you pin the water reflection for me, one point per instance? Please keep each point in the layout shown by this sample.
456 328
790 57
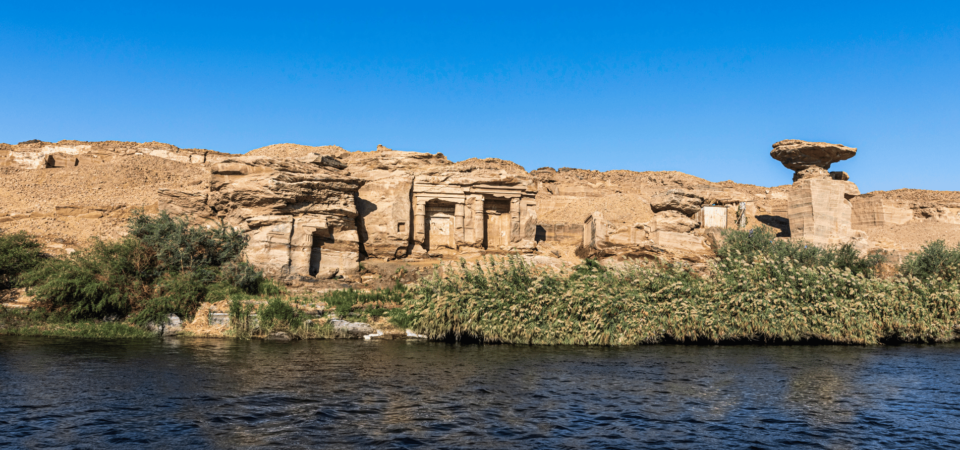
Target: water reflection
396 394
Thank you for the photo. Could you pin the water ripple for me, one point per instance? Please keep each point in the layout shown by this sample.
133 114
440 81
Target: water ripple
346 394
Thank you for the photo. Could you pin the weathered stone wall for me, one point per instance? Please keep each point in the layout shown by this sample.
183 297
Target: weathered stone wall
300 216
42 155
879 212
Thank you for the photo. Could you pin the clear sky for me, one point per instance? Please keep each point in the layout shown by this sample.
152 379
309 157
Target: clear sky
703 88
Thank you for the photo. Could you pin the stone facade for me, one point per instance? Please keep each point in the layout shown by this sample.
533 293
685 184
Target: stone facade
316 216
451 217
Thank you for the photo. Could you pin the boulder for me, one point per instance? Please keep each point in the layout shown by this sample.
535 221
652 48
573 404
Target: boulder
353 329
684 201
799 155
673 221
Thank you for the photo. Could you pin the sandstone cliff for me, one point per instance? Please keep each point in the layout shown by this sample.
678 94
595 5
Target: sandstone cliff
315 212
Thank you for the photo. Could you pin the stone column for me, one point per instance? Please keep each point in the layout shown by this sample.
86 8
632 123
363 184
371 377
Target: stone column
515 234
478 223
419 224
458 230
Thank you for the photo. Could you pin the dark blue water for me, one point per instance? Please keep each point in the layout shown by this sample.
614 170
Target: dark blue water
197 393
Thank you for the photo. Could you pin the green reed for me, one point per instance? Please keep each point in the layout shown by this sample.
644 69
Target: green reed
743 299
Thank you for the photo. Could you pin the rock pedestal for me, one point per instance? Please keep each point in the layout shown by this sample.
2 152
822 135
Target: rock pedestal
820 212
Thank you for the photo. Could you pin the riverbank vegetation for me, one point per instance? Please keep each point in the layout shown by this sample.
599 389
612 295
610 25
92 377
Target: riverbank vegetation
38 322
163 266
761 290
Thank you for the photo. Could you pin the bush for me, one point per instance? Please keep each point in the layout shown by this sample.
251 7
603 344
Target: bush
101 281
279 315
164 266
180 247
761 243
934 260
352 303
240 317
19 253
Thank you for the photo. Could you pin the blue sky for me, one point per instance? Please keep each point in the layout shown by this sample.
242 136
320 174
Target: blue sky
700 87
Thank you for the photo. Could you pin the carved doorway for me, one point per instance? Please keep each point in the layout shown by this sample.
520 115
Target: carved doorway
316 252
439 225
495 232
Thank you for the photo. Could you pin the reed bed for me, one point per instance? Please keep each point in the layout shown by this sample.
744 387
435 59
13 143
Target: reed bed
752 297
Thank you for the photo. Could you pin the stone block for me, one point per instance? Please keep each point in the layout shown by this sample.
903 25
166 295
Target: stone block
820 213
879 212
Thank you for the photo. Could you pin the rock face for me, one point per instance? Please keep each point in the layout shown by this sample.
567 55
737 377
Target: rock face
318 216
671 240
46 155
879 212
422 204
819 208
300 214
800 155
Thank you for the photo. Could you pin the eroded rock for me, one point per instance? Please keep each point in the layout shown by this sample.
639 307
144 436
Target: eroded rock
799 155
673 221
684 201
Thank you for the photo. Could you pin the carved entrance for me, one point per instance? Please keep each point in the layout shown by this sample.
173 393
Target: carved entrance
439 226
316 251
496 230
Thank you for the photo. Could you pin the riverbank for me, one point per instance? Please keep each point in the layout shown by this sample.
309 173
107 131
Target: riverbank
26 322
759 290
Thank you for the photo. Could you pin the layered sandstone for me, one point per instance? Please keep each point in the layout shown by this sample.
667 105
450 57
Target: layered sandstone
39 155
811 159
421 204
315 211
300 214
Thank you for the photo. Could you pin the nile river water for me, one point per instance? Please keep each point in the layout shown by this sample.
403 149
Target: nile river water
202 393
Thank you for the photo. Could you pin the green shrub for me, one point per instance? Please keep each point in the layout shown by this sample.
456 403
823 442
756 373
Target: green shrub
279 315
179 293
934 260
19 253
762 243
181 247
240 318
164 266
103 280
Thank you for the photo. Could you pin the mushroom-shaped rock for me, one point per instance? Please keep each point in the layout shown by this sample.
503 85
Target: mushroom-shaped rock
799 155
